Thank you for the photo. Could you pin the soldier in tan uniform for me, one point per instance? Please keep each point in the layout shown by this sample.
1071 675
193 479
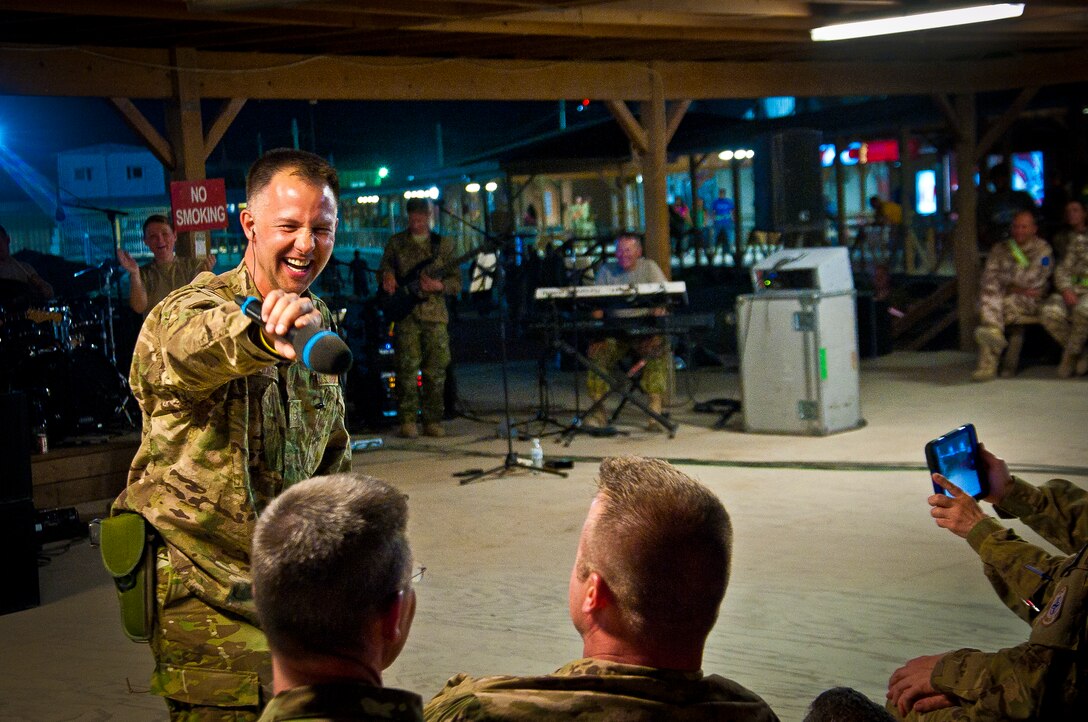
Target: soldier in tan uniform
165 272
332 580
650 573
1014 283
422 339
1065 313
230 421
1045 677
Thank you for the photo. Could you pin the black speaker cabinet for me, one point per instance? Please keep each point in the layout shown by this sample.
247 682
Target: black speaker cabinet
789 195
15 446
19 552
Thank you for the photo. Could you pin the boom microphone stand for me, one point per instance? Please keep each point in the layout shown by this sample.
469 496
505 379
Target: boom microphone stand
511 462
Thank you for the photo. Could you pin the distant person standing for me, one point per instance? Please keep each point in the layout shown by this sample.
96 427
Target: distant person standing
1075 227
155 280
1065 313
422 338
723 224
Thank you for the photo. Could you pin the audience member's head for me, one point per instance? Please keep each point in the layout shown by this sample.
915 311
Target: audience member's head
652 565
1075 215
843 704
1023 227
332 579
628 251
159 237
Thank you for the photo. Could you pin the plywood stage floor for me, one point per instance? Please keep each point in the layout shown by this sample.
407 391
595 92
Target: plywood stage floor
839 576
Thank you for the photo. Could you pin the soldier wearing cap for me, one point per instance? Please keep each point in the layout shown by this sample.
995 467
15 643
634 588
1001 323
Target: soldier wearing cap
422 339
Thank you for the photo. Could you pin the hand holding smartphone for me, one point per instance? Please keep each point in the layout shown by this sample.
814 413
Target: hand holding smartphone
956 457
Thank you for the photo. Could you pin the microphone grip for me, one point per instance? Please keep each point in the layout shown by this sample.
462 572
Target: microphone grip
316 348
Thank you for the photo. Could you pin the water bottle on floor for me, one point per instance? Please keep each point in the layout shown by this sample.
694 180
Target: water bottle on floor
536 455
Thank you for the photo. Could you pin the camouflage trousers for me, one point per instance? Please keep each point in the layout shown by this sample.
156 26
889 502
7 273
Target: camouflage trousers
422 346
607 354
1068 326
1002 311
209 665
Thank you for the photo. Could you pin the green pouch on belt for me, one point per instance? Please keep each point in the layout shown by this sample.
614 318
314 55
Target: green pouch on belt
129 557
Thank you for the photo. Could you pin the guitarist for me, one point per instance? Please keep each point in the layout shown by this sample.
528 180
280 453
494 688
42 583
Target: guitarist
422 339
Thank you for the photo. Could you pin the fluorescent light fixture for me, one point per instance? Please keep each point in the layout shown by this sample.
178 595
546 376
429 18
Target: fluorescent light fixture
920 21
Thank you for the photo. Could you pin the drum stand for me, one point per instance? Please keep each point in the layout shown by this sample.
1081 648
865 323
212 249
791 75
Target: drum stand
106 272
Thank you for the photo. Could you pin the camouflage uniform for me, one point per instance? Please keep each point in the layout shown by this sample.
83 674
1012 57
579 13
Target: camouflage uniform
1042 678
227 425
422 338
161 279
608 352
999 303
344 702
594 689
1069 326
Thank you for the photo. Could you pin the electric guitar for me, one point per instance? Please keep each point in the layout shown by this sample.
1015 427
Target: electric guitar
396 306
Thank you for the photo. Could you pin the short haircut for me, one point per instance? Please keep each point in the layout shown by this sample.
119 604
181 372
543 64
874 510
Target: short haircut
157 218
417 205
843 704
310 167
329 554
628 234
662 542
1029 214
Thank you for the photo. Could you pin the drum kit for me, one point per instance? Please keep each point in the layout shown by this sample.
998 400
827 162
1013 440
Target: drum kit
62 355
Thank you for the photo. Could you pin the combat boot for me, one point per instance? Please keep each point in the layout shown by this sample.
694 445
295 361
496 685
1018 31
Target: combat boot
991 342
1074 348
656 405
434 428
1082 363
408 430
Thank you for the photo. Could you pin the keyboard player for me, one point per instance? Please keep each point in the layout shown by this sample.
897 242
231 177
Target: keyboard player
629 268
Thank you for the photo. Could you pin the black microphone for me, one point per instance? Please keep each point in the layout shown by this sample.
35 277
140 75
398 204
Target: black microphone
317 348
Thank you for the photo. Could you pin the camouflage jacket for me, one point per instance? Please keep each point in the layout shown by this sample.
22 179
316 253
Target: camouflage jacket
1045 677
1072 272
160 281
1002 272
344 702
403 253
592 689
227 426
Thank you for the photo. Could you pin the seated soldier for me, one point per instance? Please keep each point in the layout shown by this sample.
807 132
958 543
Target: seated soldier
332 583
630 268
649 576
1065 313
1014 282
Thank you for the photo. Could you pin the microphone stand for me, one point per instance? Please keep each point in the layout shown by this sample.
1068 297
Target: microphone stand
510 462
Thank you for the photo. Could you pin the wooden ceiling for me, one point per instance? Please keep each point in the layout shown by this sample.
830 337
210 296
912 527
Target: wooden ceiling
573 30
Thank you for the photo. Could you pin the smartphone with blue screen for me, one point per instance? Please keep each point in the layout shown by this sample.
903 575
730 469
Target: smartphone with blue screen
955 456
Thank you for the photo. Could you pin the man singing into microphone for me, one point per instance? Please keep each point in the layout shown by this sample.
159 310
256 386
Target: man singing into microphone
230 420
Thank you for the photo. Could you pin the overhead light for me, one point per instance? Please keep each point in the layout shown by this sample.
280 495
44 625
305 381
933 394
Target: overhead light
726 155
491 186
919 21
472 188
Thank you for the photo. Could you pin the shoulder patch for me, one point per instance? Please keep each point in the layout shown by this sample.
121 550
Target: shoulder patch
1054 609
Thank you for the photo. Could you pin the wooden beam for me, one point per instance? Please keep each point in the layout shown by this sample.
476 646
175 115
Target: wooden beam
675 115
159 146
145 73
186 129
1002 124
630 125
945 106
965 233
222 121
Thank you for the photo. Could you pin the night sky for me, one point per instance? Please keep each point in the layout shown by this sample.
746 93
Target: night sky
400 135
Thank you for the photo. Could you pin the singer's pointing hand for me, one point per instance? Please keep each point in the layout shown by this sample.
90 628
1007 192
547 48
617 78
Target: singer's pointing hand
283 311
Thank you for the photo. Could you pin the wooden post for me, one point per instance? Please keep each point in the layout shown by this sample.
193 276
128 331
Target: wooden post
652 114
966 231
185 129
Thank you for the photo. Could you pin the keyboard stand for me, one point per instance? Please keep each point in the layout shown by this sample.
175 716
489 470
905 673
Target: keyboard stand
624 387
